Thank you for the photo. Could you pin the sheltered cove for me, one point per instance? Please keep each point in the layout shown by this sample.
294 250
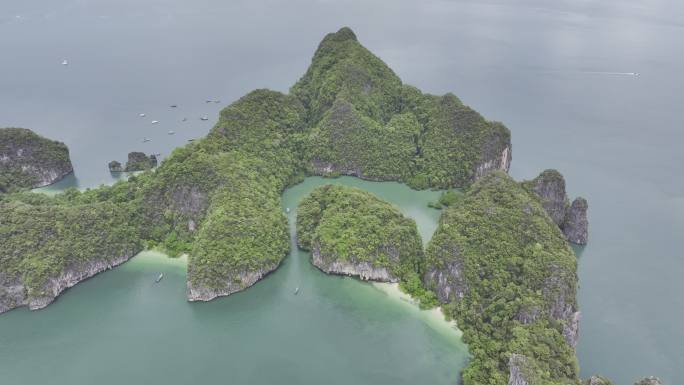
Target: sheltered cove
218 200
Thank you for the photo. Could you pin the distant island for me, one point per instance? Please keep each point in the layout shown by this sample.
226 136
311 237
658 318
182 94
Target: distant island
27 160
499 262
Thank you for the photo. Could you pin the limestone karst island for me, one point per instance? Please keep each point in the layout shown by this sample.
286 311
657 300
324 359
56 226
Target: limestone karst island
160 223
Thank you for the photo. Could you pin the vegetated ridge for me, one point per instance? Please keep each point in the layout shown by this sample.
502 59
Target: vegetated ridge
499 262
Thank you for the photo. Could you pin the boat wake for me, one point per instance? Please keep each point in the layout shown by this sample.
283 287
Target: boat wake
606 73
610 73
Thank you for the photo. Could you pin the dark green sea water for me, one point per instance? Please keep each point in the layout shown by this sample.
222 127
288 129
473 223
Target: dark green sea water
558 73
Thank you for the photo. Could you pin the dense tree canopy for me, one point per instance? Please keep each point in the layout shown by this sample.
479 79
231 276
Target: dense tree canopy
349 226
218 199
510 282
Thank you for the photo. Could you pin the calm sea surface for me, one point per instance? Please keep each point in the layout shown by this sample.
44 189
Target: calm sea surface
560 74
122 328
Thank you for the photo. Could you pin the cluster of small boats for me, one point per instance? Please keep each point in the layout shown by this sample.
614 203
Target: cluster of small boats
170 132
65 62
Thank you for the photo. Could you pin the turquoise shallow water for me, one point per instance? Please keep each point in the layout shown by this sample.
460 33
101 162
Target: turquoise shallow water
121 327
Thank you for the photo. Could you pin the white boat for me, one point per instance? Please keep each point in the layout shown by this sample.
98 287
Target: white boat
155 121
65 63
287 209
296 291
145 140
159 278
142 115
204 118
171 132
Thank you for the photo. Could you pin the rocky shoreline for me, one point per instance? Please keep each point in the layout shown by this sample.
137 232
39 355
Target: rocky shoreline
365 271
16 293
233 284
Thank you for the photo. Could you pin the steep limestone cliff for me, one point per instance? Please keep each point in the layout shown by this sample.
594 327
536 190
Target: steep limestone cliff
549 188
28 160
576 225
519 371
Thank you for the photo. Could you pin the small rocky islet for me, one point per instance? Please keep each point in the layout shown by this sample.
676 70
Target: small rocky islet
499 262
352 232
137 161
28 160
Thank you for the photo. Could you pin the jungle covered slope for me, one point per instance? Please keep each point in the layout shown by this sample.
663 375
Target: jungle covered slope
498 261
28 160
549 188
49 245
366 123
352 232
505 272
217 199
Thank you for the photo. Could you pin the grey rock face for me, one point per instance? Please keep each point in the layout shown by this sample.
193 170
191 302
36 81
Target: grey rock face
516 366
448 282
560 291
138 161
188 202
527 315
236 282
13 293
364 270
549 186
576 225
497 155
571 329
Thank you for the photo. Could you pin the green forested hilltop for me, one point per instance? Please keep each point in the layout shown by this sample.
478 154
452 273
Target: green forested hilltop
366 123
505 272
28 160
348 114
352 232
342 69
498 262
